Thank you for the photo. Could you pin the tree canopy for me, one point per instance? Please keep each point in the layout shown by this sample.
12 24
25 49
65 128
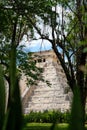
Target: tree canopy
15 26
64 26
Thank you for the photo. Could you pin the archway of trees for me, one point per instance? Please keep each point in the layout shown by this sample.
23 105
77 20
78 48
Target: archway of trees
68 31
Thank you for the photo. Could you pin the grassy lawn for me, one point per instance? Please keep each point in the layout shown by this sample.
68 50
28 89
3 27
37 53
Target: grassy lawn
45 126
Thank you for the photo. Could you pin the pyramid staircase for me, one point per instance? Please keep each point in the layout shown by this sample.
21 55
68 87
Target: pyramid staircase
43 97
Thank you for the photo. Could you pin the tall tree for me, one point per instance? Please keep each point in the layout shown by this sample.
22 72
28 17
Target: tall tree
14 27
13 15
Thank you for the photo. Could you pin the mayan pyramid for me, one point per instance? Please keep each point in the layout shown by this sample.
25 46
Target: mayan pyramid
42 97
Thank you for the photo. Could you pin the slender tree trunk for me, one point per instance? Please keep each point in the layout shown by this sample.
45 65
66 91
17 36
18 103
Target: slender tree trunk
83 103
9 97
13 120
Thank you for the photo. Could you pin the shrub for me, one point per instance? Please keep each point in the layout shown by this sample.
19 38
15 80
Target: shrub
47 117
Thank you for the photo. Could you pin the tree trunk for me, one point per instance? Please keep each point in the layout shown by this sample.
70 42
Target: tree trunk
83 103
77 111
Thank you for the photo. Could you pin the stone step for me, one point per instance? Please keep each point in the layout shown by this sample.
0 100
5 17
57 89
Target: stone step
39 104
46 92
49 94
42 107
46 100
52 97
46 89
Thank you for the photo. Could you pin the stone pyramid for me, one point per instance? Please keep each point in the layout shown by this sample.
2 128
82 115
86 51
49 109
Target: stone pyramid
42 97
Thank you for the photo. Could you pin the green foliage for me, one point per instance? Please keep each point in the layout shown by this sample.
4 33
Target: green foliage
18 11
24 16
24 64
47 117
83 43
27 66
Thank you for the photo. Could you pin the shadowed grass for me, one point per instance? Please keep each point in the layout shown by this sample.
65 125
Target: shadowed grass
46 126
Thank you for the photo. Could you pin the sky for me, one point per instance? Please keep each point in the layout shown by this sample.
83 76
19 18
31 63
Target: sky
37 45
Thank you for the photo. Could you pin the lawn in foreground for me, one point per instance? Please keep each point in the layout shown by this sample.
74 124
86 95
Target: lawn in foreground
45 126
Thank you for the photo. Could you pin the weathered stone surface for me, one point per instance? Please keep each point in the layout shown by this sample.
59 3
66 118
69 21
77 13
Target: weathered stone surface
42 97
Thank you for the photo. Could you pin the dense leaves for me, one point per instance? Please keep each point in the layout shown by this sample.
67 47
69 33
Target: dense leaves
16 13
65 25
47 117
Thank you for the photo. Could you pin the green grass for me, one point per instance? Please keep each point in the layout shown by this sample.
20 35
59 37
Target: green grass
45 126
